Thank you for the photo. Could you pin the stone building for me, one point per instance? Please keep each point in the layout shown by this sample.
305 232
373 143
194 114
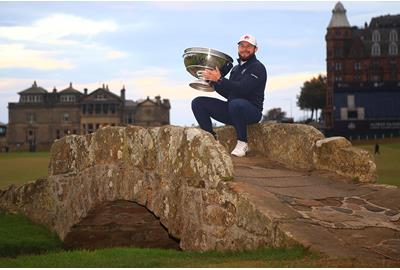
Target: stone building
40 116
363 93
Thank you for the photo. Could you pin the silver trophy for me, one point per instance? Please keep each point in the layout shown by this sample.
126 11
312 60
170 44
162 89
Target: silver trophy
197 59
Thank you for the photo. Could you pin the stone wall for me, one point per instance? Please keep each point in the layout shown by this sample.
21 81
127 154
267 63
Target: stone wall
304 147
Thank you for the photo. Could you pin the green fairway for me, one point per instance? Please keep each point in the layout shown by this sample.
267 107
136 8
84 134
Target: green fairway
18 235
387 162
21 167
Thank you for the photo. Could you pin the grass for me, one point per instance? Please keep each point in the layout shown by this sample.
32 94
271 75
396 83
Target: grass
18 235
387 162
135 257
21 167
20 238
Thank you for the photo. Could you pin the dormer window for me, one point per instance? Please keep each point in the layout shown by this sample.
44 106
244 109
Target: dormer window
67 98
376 37
31 99
100 96
393 36
375 49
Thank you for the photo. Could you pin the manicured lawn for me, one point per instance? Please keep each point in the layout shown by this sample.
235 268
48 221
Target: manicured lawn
21 167
388 162
18 235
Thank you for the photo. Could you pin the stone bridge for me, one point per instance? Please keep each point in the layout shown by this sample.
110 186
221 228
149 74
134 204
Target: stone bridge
178 187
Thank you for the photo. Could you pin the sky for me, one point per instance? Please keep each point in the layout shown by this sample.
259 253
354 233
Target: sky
140 45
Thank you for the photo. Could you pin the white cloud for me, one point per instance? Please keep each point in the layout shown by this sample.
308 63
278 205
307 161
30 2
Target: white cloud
56 39
17 56
52 29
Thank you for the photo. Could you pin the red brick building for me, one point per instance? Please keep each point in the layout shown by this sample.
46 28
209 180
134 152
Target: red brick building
363 93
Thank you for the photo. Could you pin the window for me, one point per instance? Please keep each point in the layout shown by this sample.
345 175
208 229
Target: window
67 98
31 99
357 66
90 108
393 49
84 109
100 96
66 117
98 108
350 101
376 37
393 36
376 49
338 79
58 134
338 66
105 108
30 117
112 108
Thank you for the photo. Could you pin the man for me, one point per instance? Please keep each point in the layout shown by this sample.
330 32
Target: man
244 91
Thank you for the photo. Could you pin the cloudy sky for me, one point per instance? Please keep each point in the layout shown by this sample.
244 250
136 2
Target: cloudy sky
140 45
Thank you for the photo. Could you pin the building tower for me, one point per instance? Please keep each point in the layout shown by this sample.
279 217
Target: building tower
337 38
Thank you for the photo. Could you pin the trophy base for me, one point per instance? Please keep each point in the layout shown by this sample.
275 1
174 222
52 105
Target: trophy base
201 86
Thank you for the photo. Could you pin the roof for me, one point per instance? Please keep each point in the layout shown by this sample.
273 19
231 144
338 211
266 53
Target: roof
34 89
105 90
70 90
3 124
130 103
386 21
339 18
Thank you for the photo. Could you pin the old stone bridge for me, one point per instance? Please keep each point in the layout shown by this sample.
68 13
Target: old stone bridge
178 187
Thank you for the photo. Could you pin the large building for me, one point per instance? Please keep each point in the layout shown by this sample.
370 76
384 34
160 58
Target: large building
363 73
40 116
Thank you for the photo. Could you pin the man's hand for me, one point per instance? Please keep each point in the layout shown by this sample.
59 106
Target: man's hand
212 75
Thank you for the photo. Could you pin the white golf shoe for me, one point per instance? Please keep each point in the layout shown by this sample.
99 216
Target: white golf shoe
240 149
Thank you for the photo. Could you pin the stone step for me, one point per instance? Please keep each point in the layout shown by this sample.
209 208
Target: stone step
327 214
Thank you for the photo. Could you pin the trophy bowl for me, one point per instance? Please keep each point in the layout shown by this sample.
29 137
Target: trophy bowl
198 59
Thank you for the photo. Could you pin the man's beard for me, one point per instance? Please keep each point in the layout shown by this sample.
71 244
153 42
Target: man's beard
247 58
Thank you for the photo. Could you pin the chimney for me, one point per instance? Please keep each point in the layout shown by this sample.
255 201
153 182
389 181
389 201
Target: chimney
85 91
70 85
54 90
123 93
158 99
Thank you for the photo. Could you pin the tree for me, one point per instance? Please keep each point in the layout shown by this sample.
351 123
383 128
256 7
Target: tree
313 95
274 114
